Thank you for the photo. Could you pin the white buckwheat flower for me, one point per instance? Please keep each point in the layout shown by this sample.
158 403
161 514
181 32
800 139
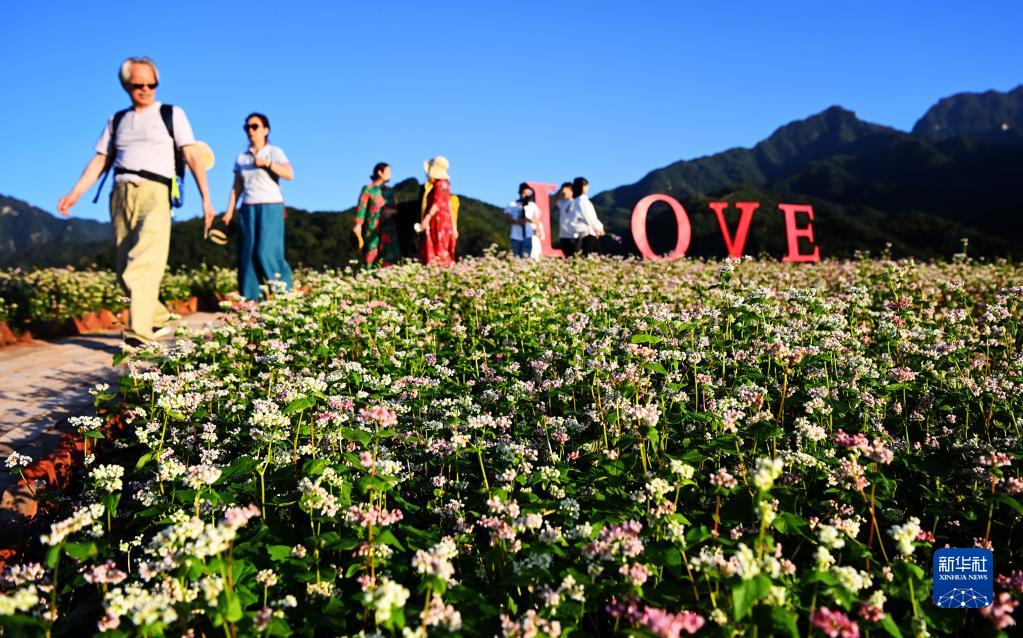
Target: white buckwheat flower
683 471
107 477
766 472
905 534
385 598
830 537
16 460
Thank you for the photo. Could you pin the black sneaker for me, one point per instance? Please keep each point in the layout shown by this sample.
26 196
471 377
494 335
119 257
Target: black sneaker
131 344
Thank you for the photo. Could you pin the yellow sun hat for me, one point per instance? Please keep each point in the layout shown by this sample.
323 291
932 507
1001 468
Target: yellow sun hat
436 168
205 154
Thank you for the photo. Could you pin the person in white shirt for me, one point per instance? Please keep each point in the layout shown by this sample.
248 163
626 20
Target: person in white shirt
257 174
563 202
582 228
526 228
139 144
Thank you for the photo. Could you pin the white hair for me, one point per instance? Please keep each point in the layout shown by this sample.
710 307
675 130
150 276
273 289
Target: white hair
125 74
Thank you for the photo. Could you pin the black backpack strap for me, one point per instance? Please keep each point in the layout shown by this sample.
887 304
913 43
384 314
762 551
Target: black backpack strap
167 114
111 150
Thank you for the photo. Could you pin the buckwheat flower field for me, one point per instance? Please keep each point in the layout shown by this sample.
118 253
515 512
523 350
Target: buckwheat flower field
568 447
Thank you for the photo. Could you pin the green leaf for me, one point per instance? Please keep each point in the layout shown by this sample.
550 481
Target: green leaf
672 557
93 434
673 561
241 569
1011 502
747 593
915 570
279 627
279 552
299 404
110 501
334 541
53 557
655 367
697 535
145 458
789 523
889 625
81 551
361 436
314 467
367 483
645 338
334 608
388 538
784 621
241 465
234 611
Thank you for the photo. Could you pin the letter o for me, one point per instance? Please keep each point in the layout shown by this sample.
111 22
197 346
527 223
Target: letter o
639 228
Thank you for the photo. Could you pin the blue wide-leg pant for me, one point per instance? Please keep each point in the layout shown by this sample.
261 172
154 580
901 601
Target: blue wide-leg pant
261 248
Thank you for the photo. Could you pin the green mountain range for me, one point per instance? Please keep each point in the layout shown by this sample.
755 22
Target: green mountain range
989 116
870 186
32 236
873 188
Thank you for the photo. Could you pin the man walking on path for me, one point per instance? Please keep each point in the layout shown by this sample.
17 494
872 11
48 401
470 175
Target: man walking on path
138 145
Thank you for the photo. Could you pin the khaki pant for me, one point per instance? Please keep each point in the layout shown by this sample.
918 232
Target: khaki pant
141 217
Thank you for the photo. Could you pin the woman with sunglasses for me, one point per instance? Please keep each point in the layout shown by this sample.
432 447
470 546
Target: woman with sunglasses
257 175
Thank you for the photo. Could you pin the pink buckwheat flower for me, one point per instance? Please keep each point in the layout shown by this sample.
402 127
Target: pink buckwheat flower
835 624
381 414
637 573
666 624
1000 613
722 478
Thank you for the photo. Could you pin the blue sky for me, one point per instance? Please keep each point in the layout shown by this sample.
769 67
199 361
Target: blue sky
507 91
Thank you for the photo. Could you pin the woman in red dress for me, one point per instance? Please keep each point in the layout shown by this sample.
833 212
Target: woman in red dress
437 245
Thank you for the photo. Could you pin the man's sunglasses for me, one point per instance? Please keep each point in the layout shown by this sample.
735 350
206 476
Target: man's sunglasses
253 127
136 87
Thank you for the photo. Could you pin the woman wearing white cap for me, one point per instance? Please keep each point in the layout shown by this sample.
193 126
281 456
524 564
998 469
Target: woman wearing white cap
437 245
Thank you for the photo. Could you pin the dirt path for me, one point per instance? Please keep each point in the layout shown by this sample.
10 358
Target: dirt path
44 382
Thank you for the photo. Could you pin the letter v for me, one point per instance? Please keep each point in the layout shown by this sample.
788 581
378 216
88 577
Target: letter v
735 246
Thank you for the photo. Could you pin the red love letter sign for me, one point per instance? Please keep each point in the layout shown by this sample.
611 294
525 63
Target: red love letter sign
639 227
794 233
541 194
735 246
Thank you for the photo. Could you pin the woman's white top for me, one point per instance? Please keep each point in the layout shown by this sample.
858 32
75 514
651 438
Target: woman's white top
532 214
582 219
258 186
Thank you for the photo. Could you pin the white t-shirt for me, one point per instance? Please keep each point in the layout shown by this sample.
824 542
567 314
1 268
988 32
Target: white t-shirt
258 187
142 142
532 213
